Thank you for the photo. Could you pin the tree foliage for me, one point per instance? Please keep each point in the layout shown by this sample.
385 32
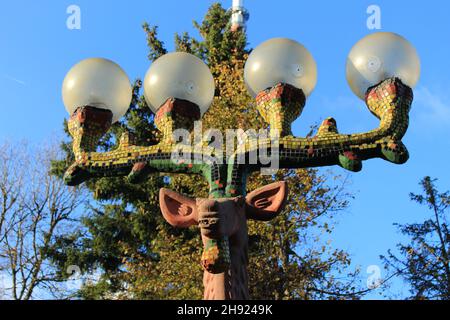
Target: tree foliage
424 262
140 256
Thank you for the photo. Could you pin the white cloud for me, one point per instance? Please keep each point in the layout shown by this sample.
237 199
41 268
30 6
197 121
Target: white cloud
431 108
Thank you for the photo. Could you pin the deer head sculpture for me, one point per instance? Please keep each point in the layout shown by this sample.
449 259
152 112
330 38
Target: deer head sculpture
225 275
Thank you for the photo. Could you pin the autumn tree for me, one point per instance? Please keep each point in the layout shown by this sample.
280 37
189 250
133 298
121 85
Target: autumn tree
423 262
140 256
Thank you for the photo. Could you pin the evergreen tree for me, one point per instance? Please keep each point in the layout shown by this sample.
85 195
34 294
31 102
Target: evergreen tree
140 256
424 262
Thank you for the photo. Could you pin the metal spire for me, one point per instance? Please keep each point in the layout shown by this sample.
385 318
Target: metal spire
239 15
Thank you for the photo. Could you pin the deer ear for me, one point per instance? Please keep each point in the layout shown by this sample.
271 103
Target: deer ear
266 203
178 210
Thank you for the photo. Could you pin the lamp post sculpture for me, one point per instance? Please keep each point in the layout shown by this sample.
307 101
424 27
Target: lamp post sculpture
280 73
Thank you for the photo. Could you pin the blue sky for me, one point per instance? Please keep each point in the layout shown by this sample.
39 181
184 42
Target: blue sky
37 50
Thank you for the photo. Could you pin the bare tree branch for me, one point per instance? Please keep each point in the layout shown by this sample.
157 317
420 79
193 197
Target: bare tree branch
34 207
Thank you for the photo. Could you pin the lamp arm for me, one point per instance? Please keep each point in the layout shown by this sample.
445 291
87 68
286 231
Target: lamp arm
137 162
87 124
390 101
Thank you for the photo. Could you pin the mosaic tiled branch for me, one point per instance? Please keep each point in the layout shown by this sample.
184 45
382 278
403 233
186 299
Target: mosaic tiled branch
88 124
389 101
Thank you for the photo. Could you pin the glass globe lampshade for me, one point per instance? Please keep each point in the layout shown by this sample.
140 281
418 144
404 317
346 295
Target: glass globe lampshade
99 83
179 75
280 60
380 56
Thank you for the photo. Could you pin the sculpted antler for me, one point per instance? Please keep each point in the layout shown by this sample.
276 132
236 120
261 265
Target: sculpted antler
390 101
179 88
132 160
